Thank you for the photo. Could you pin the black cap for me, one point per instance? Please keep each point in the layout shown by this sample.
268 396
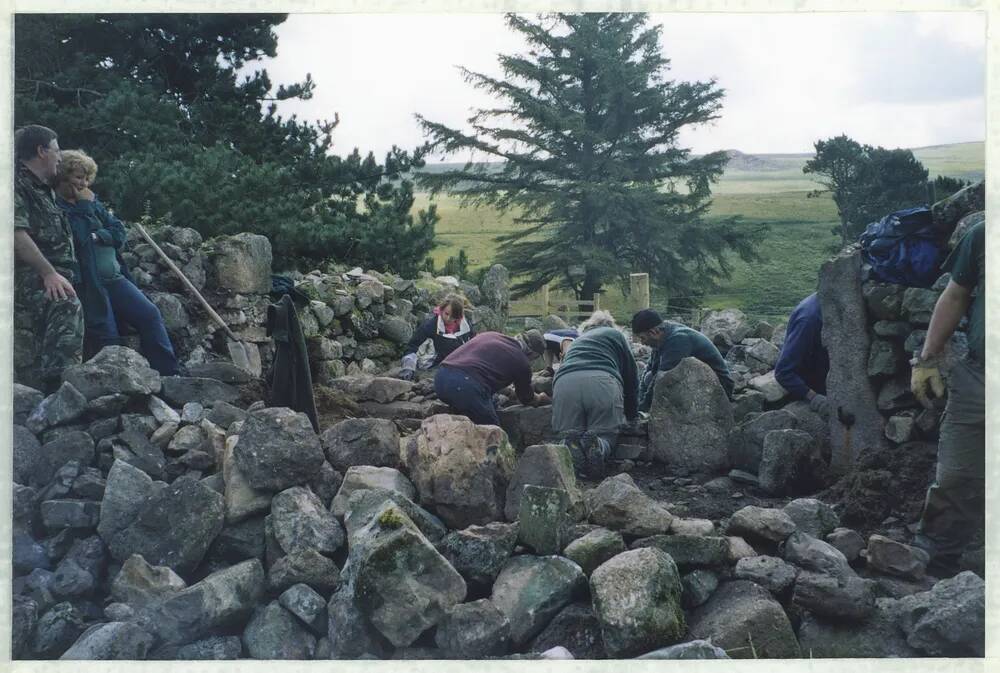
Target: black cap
644 320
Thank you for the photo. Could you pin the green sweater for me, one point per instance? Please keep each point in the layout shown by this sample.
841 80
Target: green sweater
682 342
605 349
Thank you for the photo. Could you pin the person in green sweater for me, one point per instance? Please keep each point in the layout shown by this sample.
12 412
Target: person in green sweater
672 342
594 393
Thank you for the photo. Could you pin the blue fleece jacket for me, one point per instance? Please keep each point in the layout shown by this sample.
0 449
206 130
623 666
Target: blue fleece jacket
804 362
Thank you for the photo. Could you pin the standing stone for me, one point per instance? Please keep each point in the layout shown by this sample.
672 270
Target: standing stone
530 590
277 448
495 296
544 465
746 621
542 519
637 600
241 264
855 423
460 469
362 441
690 418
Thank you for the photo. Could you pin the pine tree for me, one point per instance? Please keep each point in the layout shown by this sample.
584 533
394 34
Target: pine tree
159 102
586 134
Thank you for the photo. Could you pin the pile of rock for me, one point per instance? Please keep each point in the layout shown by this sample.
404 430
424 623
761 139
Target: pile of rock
157 519
355 321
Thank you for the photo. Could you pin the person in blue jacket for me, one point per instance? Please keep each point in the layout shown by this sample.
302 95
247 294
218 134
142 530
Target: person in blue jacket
804 362
448 328
105 287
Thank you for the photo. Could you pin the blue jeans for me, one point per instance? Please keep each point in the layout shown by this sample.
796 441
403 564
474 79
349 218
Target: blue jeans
466 394
129 304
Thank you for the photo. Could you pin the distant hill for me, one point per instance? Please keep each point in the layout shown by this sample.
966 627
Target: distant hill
768 173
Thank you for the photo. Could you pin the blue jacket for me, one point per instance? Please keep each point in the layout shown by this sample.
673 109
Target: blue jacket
86 217
804 362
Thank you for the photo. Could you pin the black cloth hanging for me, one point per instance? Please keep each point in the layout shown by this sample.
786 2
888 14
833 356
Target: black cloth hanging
291 381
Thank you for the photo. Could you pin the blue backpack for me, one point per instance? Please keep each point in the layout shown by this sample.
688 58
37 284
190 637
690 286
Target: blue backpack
904 248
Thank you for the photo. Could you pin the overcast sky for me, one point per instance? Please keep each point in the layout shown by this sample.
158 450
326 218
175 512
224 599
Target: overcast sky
890 79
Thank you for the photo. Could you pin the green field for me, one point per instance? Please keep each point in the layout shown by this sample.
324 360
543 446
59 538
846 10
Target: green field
769 189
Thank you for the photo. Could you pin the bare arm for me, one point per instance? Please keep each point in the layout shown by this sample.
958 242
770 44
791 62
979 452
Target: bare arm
948 312
25 250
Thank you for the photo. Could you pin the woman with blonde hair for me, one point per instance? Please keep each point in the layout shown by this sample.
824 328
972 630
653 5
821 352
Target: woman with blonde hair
448 329
106 289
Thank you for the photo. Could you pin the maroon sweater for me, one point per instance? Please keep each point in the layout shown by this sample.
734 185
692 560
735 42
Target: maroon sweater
496 361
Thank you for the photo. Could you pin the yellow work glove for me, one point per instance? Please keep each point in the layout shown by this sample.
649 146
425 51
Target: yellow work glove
926 380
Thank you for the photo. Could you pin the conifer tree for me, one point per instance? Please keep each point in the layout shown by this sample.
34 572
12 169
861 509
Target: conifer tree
583 147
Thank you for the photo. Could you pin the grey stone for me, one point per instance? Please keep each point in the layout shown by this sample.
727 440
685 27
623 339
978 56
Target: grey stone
531 590
479 553
221 598
495 290
743 619
949 620
855 423
895 395
768 385
81 514
139 584
618 504
576 629
542 519
193 412
225 414
277 448
365 503
527 426
274 633
812 516
362 441
698 587
893 329
544 465
396 330
848 542
239 541
884 301
790 463
750 401
241 499
300 522
173 527
746 441
323 313
241 264
304 567
111 641
62 407
963 226
918 304
187 438
888 556
403 584
364 477
179 390
82 569
24 617
460 469
690 418
26 399
637 600
226 372
947 212
809 553
725 328
594 548
57 630
163 434
74 445
885 358
693 649
127 489
303 602
29 463
473 630
768 571
215 648
689 551
900 428
135 449
843 597
323 349
761 522
350 634
114 370
878 636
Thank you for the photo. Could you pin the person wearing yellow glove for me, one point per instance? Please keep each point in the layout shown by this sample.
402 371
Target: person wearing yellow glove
954 505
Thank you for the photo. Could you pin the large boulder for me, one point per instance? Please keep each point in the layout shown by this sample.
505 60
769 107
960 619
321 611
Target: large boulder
725 328
746 621
403 585
362 441
277 448
547 465
618 504
460 469
542 520
690 418
531 590
300 522
855 422
241 264
637 600
115 369
949 620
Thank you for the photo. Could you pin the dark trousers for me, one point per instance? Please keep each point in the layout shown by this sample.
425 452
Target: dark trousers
466 394
128 304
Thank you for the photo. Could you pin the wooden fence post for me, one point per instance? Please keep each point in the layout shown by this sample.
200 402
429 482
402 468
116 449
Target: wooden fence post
545 299
597 301
639 291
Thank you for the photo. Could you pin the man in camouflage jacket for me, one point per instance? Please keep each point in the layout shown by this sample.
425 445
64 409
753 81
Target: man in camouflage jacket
48 317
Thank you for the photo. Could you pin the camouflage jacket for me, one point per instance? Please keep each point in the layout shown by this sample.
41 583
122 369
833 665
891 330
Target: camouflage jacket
36 211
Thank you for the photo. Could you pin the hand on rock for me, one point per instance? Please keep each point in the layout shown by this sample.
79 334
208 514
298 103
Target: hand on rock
819 404
926 383
406 374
